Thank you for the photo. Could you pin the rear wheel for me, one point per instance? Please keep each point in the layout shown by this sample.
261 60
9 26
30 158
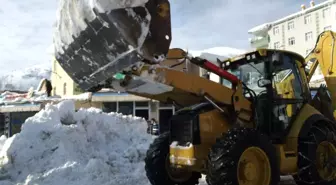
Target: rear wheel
243 157
316 161
157 166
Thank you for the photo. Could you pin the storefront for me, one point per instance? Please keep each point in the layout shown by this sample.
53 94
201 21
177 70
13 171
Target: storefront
12 117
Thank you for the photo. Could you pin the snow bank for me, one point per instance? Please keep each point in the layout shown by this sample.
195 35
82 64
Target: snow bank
90 147
71 15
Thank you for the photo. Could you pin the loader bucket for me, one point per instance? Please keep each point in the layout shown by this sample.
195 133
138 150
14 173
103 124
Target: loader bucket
112 40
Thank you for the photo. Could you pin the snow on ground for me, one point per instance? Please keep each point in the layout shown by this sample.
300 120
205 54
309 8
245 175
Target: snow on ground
97 148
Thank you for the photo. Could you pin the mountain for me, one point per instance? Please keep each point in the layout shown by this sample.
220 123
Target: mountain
23 79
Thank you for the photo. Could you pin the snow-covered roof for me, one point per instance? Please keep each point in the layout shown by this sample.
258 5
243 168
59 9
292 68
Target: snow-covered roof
14 102
221 53
21 108
260 28
305 11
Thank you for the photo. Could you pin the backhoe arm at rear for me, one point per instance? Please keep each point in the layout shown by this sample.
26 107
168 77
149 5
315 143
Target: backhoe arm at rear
324 55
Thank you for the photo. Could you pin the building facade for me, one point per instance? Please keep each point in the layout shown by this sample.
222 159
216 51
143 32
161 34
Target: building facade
297 32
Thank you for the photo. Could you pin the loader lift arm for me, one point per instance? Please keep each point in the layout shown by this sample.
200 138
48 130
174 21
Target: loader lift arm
185 89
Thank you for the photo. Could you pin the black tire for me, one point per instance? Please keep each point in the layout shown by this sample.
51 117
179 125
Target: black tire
308 174
155 164
224 156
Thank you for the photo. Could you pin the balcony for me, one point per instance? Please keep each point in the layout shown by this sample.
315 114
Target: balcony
259 41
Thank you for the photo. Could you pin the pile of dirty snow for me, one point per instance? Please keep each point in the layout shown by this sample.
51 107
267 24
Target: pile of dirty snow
61 146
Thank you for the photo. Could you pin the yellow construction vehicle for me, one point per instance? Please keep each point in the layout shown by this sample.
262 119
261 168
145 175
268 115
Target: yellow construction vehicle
233 131
253 127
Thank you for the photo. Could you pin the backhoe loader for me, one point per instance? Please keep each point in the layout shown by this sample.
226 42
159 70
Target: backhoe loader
253 127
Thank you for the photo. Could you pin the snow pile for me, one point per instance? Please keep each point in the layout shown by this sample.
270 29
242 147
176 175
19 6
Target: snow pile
61 146
71 15
23 79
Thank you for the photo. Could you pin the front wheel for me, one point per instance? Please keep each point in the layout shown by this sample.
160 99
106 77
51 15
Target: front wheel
243 156
157 166
316 160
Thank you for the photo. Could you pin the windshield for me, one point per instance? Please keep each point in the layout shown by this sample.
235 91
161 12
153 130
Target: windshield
249 74
285 77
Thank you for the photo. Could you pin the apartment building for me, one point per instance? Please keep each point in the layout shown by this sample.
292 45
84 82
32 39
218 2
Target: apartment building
296 32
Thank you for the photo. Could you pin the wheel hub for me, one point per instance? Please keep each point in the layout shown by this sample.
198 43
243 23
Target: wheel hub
254 167
250 171
325 160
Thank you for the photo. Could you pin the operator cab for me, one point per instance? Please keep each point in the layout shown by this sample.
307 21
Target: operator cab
276 84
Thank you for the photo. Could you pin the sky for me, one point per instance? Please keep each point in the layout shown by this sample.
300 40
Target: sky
26 26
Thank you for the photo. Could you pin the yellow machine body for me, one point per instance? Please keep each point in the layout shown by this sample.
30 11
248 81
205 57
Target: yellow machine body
189 89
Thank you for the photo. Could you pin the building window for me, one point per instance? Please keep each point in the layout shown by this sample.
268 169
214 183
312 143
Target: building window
109 107
141 104
276 45
307 19
64 88
309 36
142 109
327 28
326 12
126 108
291 41
276 30
290 25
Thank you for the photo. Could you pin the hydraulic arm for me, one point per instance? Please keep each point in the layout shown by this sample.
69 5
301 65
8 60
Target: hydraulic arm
324 55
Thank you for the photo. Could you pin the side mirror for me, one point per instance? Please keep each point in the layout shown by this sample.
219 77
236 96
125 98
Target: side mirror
263 82
176 53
